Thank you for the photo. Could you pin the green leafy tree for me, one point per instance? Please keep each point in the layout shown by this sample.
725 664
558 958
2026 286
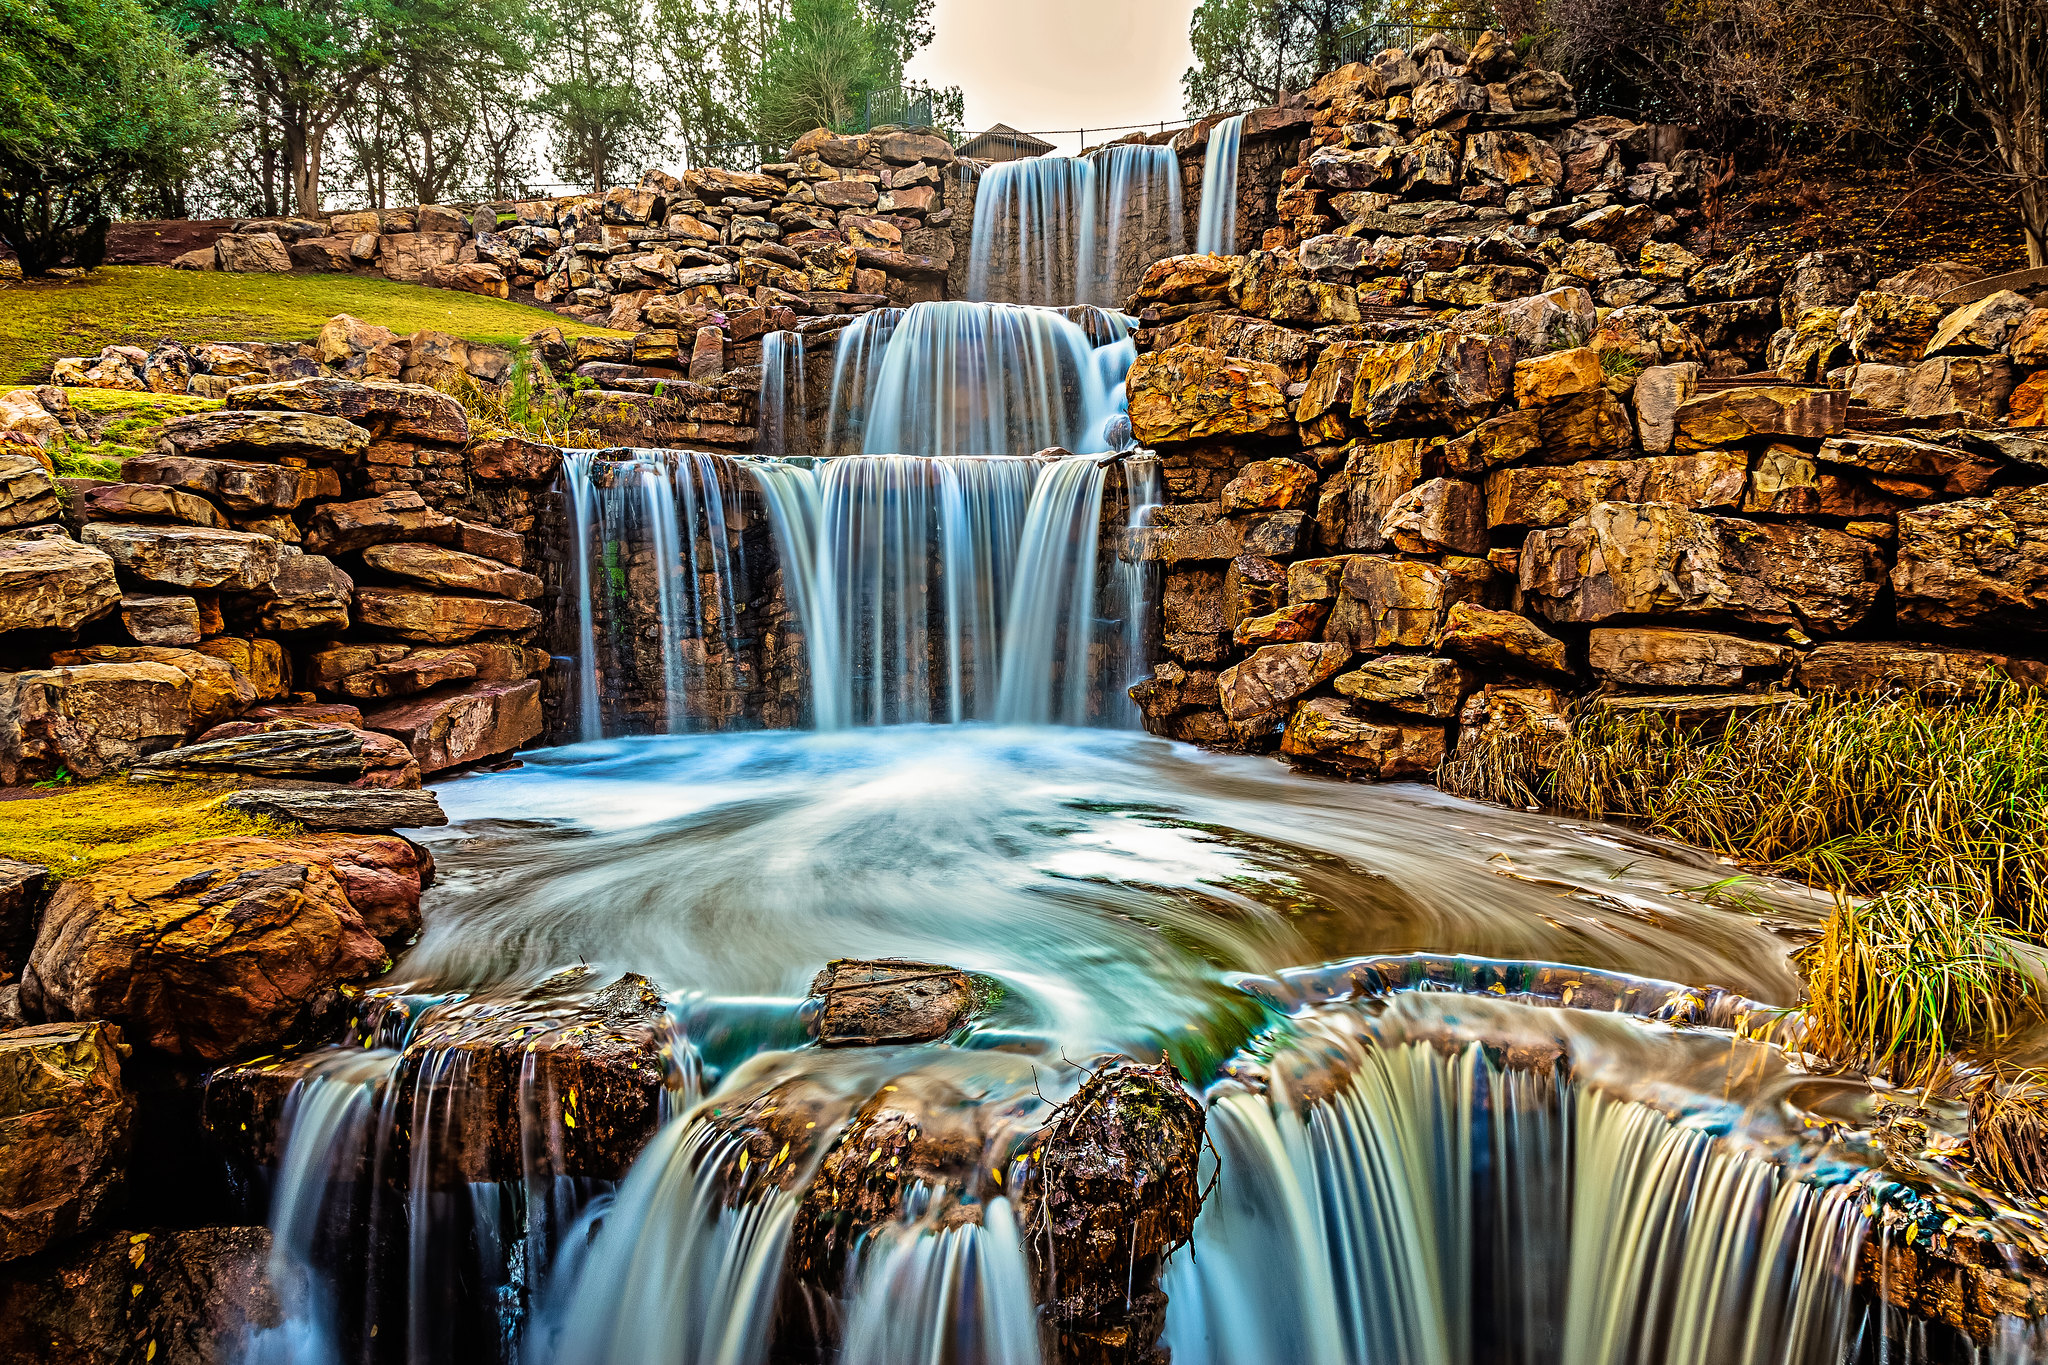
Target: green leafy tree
828 58
598 101
1252 52
98 102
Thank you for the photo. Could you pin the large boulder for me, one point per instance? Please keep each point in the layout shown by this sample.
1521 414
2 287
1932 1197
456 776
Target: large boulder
863 1003
1729 417
242 486
50 582
1655 656
1187 393
409 614
1981 564
218 947
1451 378
339 527
372 671
1326 731
251 253
221 689
474 722
1981 385
262 435
1986 325
1889 456
188 556
308 594
1502 639
90 720
389 411
286 753
1414 684
146 502
443 568
1275 675
1938 670
1389 603
64 1133
1551 495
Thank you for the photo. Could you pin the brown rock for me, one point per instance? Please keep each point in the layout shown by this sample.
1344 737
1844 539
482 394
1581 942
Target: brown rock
1556 494
251 253
1889 329
1315 580
514 459
1447 377
1656 657
1502 639
1275 675
1376 477
1401 603
339 527
1973 384
1323 730
1253 585
1503 440
1985 325
1786 482
1659 393
1902 456
90 720
260 661
53 583
865 1003
1560 374
143 502
442 568
245 488
1981 564
408 256
1731 416
464 725
1584 424
1270 486
363 809
388 411
2029 402
412 615
1189 393
216 947
64 1133
262 435
187 556
1871 666
1185 279
1439 515
220 690
1415 684
1288 625
1529 722
287 753
26 493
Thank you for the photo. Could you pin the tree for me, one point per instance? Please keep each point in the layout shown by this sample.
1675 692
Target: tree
602 119
98 101
827 59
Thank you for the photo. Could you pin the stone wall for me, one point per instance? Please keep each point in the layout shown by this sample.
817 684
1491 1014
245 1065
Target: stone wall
1474 438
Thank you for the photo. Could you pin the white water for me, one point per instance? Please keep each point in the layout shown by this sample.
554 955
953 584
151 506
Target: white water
927 1296
783 427
1057 230
1216 228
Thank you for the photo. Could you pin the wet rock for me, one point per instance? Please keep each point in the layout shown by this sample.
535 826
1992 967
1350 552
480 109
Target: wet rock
339 527
283 752
144 502
1981 564
1389 603
386 410
1109 1191
351 808
1276 675
187 556
64 1133
410 614
194 1297
1937 670
219 946
1648 656
1189 393
1730 416
864 1003
1325 731
1414 684
1448 377
53 583
90 720
1980 385
1502 639
219 689
262 435
1270 486
474 722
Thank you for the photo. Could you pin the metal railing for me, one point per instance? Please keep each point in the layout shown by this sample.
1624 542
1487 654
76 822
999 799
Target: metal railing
902 108
1367 41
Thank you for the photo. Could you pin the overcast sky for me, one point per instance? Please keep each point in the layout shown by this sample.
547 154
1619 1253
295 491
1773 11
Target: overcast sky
1061 64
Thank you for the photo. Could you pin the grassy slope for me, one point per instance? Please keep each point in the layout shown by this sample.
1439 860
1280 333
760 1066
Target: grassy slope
137 305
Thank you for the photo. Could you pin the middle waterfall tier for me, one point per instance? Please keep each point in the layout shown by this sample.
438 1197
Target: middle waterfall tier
1059 230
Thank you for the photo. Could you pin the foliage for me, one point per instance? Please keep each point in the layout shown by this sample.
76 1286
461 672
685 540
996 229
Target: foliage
122 423
2009 1132
597 103
136 305
827 58
97 101
76 829
1901 982
530 403
1250 52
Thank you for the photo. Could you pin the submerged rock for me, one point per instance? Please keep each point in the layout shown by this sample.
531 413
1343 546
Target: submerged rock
863 1003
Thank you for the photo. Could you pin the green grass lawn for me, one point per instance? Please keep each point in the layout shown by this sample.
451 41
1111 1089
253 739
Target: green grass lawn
137 305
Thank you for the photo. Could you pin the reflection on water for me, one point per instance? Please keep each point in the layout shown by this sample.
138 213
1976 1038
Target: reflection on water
1110 880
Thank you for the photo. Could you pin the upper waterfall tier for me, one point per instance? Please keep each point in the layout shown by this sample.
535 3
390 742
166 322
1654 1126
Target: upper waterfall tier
940 379
1060 229
1217 228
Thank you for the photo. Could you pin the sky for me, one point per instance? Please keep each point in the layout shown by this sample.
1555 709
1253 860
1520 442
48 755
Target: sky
1061 64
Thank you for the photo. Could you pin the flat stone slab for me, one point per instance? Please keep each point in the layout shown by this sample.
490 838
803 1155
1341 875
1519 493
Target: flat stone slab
866 1003
356 808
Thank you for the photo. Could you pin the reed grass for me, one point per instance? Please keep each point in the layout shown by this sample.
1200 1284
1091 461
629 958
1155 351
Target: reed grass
2009 1132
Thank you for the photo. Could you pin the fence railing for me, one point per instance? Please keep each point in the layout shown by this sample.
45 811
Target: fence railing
1367 41
902 107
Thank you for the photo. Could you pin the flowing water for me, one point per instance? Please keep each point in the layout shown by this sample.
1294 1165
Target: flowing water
1216 228
1056 230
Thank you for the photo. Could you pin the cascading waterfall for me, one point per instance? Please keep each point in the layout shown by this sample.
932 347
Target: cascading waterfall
656 578
1046 676
973 379
1056 230
784 427
928 1295
1216 228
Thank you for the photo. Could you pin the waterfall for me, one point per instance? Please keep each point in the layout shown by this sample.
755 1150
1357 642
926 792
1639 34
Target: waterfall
656 576
1056 230
1137 586
1216 231
973 379
960 589
924 1296
784 424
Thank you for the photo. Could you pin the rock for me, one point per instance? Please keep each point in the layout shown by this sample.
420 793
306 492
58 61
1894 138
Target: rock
514 459
1193 392
1375 478
1822 279
1542 322
339 527
1415 684
408 256
1974 384
145 501
463 726
1528 722
252 253
187 556
1985 325
1439 515
1981 564
1546 378
1288 625
2027 347
1583 424
1705 711
1502 639
1389 603
23 888
387 411
470 277
90 720
1447 377
1870 666
1931 279
219 689
262 435
1786 482
1646 656
1506 439
1667 261
54 583
1730 416
64 1133
1508 158
1750 273
194 1297
412 615
260 661
27 495
1624 559
1552 495
307 594
372 671
1889 329
284 753
350 808
1879 386
245 488
442 568
2029 403
219 946
1901 456
1270 486
1325 731
1275 675
865 1003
